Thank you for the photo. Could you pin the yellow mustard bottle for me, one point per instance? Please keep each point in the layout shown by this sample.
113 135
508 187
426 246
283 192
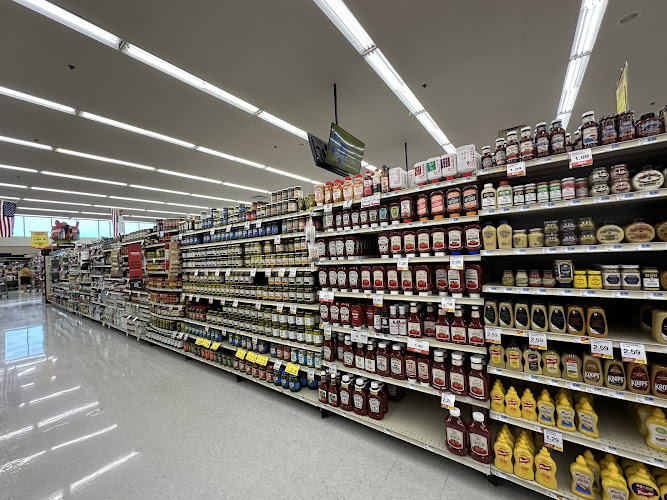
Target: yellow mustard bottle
503 450
545 470
582 479
528 405
498 397
514 357
608 459
642 486
546 409
565 415
512 403
656 425
595 469
614 486
663 489
587 420
523 462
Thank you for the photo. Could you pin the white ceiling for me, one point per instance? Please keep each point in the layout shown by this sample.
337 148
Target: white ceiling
486 67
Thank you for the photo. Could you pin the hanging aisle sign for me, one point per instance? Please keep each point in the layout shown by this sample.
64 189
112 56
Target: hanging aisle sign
622 90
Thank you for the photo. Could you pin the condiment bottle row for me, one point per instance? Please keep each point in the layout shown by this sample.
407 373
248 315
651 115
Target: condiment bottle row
471 438
424 279
356 394
303 357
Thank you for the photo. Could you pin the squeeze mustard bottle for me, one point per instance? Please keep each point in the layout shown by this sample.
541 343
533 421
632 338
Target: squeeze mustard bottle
614 485
656 424
588 421
497 356
489 238
640 481
659 380
556 318
514 356
504 451
528 406
565 415
521 315
546 409
490 312
659 325
596 322
614 374
576 324
582 479
512 403
523 462
545 470
593 372
571 367
506 314
551 363
498 397
532 358
538 317
595 469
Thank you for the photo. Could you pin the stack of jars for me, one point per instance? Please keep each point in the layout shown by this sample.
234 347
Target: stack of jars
272 374
422 279
353 189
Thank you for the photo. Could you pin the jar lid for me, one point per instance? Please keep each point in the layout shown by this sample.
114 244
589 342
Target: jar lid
520 231
587 113
535 230
512 132
554 182
525 129
542 124
499 140
504 183
593 272
647 115
486 148
531 184
568 179
544 183
519 186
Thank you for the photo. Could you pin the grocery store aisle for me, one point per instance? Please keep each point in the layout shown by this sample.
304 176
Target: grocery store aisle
90 413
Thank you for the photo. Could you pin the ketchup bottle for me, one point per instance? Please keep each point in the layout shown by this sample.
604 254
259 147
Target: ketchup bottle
456 432
344 313
357 315
332 392
402 321
397 362
360 397
359 356
478 382
377 319
475 328
458 379
408 280
334 313
424 370
376 403
459 328
322 387
370 315
479 436
348 352
442 327
328 350
369 358
439 371
345 393
382 361
415 323
441 283
393 320
384 319
473 279
429 322
340 346
411 366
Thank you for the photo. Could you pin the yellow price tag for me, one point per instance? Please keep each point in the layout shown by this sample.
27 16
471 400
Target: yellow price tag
262 360
240 353
292 369
251 356
206 343
198 341
215 345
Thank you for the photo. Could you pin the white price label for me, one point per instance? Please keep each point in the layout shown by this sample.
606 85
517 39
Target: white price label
402 264
258 224
210 300
448 304
281 272
228 229
602 349
277 365
493 335
293 308
377 299
327 331
581 158
650 194
593 389
217 272
370 201
456 261
267 273
537 340
292 272
420 346
326 296
447 400
333 369
633 353
276 239
642 246
258 305
235 303
553 439
279 306
516 169
228 272
211 232
311 374
196 272
328 208
347 204
255 338
575 386
246 225
253 272
621 294
359 336
494 371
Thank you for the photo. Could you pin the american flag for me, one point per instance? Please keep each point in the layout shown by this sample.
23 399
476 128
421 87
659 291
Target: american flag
7 219
114 222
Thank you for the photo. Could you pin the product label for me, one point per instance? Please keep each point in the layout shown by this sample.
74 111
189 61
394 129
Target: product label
437 204
381 362
479 444
442 333
641 490
429 328
423 242
566 418
402 326
396 366
439 378
348 358
546 412
369 365
333 399
489 199
411 369
512 151
438 238
342 278
423 372
374 405
457 382
344 398
454 201
657 435
409 242
477 387
459 334
359 362
586 422
455 438
358 401
406 209
542 144
590 137
504 197
557 143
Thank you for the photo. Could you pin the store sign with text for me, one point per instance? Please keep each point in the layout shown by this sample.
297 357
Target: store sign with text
134 260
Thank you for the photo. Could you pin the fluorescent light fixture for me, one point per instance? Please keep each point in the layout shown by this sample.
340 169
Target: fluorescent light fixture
29 144
103 158
229 98
83 438
429 124
62 211
25 386
17 186
54 395
274 120
136 199
120 208
82 178
19 463
347 24
229 157
37 100
25 372
20 169
161 65
184 205
97 213
67 414
19 432
58 202
152 217
165 212
113 123
167 138
3 197
77 485
71 21
211 197
244 202
138 186
288 174
590 18
188 176
65 191
239 186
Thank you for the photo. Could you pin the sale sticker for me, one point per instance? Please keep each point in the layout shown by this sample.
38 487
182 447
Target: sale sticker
292 369
581 158
240 353
516 169
215 345
553 439
602 349
447 400
251 356
262 360
633 353
420 346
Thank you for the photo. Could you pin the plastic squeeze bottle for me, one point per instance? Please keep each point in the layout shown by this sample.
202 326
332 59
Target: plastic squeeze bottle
582 479
656 424
545 470
523 461
565 415
595 469
513 403
588 421
546 409
614 485
528 405
498 397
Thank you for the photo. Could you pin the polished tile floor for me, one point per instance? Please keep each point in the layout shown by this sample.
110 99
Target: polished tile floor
89 413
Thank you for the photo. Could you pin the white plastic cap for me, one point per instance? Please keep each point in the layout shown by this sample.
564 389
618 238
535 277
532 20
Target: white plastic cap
359 382
476 359
488 185
346 378
455 412
478 416
396 347
542 124
382 345
457 355
375 385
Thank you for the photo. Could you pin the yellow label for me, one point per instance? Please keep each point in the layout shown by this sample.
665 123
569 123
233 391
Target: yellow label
206 343
622 90
262 360
240 353
39 239
198 341
292 369
251 356
215 345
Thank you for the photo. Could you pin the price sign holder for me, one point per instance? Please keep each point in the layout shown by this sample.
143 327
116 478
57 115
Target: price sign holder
293 308
251 356
253 272
326 296
633 353
280 306
537 340
262 360
377 299
235 302
447 400
493 335
240 353
516 169
456 262
311 374
347 204
359 336
292 369
402 264
420 346
553 439
602 348
448 304
581 158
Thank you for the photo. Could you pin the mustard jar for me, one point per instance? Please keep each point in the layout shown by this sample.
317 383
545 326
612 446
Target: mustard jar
580 280
594 279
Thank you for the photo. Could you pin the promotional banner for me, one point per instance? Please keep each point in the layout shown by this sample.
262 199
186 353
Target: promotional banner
622 90
134 260
39 239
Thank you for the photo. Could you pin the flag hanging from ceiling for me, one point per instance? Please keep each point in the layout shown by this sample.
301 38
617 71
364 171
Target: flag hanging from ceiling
117 226
7 219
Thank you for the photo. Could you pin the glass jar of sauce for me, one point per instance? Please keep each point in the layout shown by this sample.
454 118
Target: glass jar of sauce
542 144
557 137
626 126
487 157
649 125
608 134
500 155
535 238
512 148
589 130
521 278
526 146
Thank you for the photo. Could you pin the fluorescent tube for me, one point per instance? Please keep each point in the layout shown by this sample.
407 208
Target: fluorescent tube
20 169
288 174
274 120
239 186
37 100
347 24
66 211
65 191
136 199
82 178
188 206
161 65
229 157
17 186
229 98
103 158
120 208
35 145
188 176
58 202
137 186
165 212
211 197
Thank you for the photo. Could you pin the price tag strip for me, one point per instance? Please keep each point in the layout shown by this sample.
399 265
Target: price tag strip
602 348
581 158
420 346
553 439
537 340
633 353
359 336
447 400
493 335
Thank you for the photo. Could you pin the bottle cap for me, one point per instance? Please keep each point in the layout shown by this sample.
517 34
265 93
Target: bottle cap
455 412
375 385
478 416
